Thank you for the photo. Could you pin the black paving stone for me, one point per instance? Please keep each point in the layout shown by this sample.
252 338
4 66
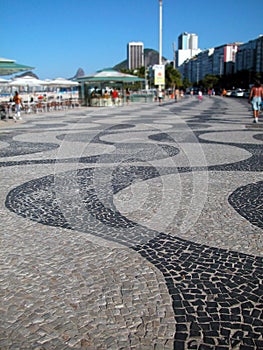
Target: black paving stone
213 290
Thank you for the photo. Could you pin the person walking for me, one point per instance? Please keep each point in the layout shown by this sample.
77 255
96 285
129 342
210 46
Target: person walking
160 96
255 98
115 97
127 96
200 95
18 102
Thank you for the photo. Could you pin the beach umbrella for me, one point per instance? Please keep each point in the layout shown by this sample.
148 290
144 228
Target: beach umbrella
4 81
28 81
4 85
61 82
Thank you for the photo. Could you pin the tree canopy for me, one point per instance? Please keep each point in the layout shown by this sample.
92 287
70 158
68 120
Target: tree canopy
172 77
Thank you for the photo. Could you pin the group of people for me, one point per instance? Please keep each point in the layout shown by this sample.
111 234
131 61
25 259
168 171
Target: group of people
113 94
255 98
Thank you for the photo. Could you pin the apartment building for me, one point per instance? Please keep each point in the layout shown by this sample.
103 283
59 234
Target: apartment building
187 47
225 59
250 56
135 55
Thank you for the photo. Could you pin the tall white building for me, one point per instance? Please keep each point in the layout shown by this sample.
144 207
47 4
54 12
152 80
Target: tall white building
135 55
187 41
187 47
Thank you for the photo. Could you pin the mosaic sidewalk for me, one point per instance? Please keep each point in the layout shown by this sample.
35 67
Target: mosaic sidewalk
138 227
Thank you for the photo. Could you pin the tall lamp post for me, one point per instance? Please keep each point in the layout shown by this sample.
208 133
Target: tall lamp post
160 36
160 31
159 69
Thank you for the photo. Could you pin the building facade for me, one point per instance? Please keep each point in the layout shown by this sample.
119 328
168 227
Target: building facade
187 41
223 60
135 55
187 47
250 56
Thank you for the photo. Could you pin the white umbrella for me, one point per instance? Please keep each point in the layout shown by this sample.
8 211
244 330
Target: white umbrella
4 81
4 85
26 81
61 82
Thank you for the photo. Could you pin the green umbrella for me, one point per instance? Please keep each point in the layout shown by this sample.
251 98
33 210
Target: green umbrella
8 67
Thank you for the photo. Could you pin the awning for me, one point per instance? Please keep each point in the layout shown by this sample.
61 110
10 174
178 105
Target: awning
109 75
8 67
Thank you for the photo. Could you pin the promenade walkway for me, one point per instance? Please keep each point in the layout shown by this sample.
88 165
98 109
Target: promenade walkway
135 227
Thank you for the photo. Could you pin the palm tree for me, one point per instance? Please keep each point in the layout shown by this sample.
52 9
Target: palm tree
172 78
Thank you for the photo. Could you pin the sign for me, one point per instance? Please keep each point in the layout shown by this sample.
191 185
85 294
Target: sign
159 74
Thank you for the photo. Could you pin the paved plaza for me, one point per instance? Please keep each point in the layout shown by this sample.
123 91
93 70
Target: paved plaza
132 227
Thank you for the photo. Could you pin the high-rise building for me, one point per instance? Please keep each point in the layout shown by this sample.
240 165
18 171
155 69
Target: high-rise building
187 47
135 55
187 41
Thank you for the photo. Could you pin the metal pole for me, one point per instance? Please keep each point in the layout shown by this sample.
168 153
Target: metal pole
160 36
160 32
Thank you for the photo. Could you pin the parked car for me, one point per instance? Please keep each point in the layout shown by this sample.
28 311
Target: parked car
239 92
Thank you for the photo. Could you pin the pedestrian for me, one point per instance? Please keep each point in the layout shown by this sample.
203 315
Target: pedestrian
127 96
18 103
223 93
115 96
160 96
177 95
255 98
200 95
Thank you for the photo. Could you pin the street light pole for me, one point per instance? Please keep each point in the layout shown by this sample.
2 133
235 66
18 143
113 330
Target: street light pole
160 31
160 37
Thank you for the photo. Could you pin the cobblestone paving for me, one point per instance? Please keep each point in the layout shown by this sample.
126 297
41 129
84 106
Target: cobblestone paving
137 227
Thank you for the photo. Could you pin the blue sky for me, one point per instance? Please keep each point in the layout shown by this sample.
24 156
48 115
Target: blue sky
57 37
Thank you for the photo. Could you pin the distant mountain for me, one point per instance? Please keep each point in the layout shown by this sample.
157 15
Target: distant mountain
151 57
27 74
121 65
80 73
